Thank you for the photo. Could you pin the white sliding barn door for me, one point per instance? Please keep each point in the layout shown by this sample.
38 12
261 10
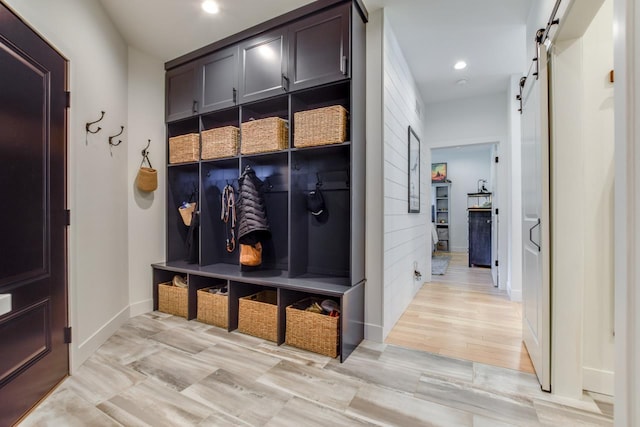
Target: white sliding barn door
536 327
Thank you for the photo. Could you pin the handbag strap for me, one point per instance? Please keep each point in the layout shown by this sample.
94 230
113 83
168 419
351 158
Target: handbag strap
228 212
145 156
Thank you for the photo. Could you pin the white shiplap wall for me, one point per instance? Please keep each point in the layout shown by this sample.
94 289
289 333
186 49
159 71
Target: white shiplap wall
406 239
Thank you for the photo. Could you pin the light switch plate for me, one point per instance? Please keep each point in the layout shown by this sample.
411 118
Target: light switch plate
5 304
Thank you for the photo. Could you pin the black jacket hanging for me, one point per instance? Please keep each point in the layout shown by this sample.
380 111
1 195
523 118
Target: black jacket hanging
253 226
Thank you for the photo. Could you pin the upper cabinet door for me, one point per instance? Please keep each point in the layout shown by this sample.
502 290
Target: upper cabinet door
263 66
218 87
319 48
182 96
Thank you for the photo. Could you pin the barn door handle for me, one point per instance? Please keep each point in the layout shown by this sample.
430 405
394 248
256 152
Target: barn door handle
531 235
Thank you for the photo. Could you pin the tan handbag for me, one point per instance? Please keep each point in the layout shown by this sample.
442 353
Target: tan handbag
147 179
186 212
251 255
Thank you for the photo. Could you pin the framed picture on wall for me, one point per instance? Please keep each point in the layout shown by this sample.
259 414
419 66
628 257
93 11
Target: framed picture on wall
438 172
414 172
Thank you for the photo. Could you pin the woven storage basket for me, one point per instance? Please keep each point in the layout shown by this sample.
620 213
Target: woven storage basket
213 308
264 135
312 331
220 142
172 299
321 126
184 148
258 315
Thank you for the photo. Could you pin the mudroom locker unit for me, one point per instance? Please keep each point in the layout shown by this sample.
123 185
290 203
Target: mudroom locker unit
310 58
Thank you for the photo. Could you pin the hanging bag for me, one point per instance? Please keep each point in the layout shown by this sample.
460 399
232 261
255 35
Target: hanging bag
147 179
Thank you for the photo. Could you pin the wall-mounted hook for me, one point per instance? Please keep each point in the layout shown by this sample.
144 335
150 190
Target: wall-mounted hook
145 155
318 180
88 127
115 144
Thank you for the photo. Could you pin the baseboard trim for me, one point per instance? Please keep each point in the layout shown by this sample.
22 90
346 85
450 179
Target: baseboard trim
89 346
598 381
142 307
515 295
373 333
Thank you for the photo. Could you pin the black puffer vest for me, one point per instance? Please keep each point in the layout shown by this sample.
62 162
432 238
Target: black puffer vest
253 226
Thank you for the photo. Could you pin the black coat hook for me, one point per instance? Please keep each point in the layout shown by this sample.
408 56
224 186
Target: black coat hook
145 154
115 144
89 124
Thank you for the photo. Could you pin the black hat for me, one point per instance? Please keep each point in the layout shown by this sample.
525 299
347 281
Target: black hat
315 202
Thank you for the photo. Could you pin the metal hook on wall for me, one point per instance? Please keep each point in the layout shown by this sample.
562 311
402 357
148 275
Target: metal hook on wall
88 127
145 154
115 144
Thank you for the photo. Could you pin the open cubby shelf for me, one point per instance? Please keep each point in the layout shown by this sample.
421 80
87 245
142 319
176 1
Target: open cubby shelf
307 255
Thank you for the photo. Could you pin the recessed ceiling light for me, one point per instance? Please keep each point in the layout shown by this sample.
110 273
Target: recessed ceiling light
210 6
460 65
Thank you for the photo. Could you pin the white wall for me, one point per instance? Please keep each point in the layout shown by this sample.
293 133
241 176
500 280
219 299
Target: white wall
97 189
395 238
146 213
598 140
406 242
627 211
465 166
514 191
373 313
480 119
116 231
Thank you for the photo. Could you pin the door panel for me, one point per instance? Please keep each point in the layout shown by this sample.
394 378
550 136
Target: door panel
182 92
319 48
536 327
219 80
264 64
33 354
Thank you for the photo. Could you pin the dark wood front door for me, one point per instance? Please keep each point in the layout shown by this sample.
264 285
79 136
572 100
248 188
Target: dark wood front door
33 248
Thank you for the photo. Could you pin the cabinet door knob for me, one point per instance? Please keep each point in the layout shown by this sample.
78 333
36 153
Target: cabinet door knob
285 83
235 96
343 65
195 107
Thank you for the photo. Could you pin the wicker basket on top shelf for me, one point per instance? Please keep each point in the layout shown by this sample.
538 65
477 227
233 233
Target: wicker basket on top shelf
322 126
264 135
184 148
220 142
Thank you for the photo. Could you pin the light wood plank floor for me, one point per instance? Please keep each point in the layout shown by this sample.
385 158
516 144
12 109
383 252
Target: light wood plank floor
462 315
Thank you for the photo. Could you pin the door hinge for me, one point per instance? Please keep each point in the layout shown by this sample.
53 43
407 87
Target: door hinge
67 335
497 159
67 99
497 263
497 211
67 217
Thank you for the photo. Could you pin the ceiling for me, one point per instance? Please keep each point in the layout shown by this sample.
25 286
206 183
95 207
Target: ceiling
433 34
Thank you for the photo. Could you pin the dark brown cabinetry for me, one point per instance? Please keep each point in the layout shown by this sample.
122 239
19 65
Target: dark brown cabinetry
264 66
182 92
480 237
218 80
319 48
314 59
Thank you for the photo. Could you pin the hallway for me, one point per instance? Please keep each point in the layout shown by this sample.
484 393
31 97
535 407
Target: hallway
462 315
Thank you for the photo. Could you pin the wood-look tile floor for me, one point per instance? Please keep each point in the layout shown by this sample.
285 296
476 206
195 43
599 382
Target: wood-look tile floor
461 314
160 370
